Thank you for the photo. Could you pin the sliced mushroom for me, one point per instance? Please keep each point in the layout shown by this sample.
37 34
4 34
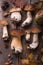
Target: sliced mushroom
27 36
39 17
35 42
16 41
5 31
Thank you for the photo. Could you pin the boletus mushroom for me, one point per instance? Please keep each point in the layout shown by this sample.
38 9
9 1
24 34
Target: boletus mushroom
35 42
16 41
5 31
27 36
39 17
15 14
29 15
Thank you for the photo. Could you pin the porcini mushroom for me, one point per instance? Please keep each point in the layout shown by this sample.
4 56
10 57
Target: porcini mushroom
27 36
16 41
16 44
39 17
16 16
5 31
29 15
35 42
14 9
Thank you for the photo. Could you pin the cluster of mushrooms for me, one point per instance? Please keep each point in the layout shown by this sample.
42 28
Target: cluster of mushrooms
15 15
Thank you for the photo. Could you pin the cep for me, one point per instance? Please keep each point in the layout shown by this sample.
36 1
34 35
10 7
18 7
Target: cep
16 43
5 31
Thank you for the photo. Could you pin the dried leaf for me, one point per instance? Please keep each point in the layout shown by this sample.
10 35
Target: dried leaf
30 56
33 63
25 61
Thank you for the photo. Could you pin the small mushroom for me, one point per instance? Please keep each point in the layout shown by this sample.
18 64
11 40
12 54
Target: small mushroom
39 17
15 14
16 41
16 44
27 36
14 9
5 31
28 19
29 15
35 42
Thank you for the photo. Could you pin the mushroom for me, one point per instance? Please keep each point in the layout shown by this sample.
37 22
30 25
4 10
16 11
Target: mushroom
39 17
16 41
14 9
29 15
15 14
35 42
27 36
5 31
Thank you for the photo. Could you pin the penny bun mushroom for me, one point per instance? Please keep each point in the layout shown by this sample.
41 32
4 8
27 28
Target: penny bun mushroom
15 14
14 9
39 17
5 31
27 36
16 41
28 19
35 42
16 45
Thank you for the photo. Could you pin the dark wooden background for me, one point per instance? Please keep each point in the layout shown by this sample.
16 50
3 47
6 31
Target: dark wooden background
17 58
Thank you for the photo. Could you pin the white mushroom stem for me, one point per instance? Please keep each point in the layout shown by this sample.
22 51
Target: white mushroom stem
16 44
35 41
27 36
28 19
5 33
16 16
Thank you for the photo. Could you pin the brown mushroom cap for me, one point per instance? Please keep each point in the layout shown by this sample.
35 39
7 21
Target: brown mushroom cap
36 30
6 14
4 22
39 17
14 9
39 14
29 8
17 32
28 31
